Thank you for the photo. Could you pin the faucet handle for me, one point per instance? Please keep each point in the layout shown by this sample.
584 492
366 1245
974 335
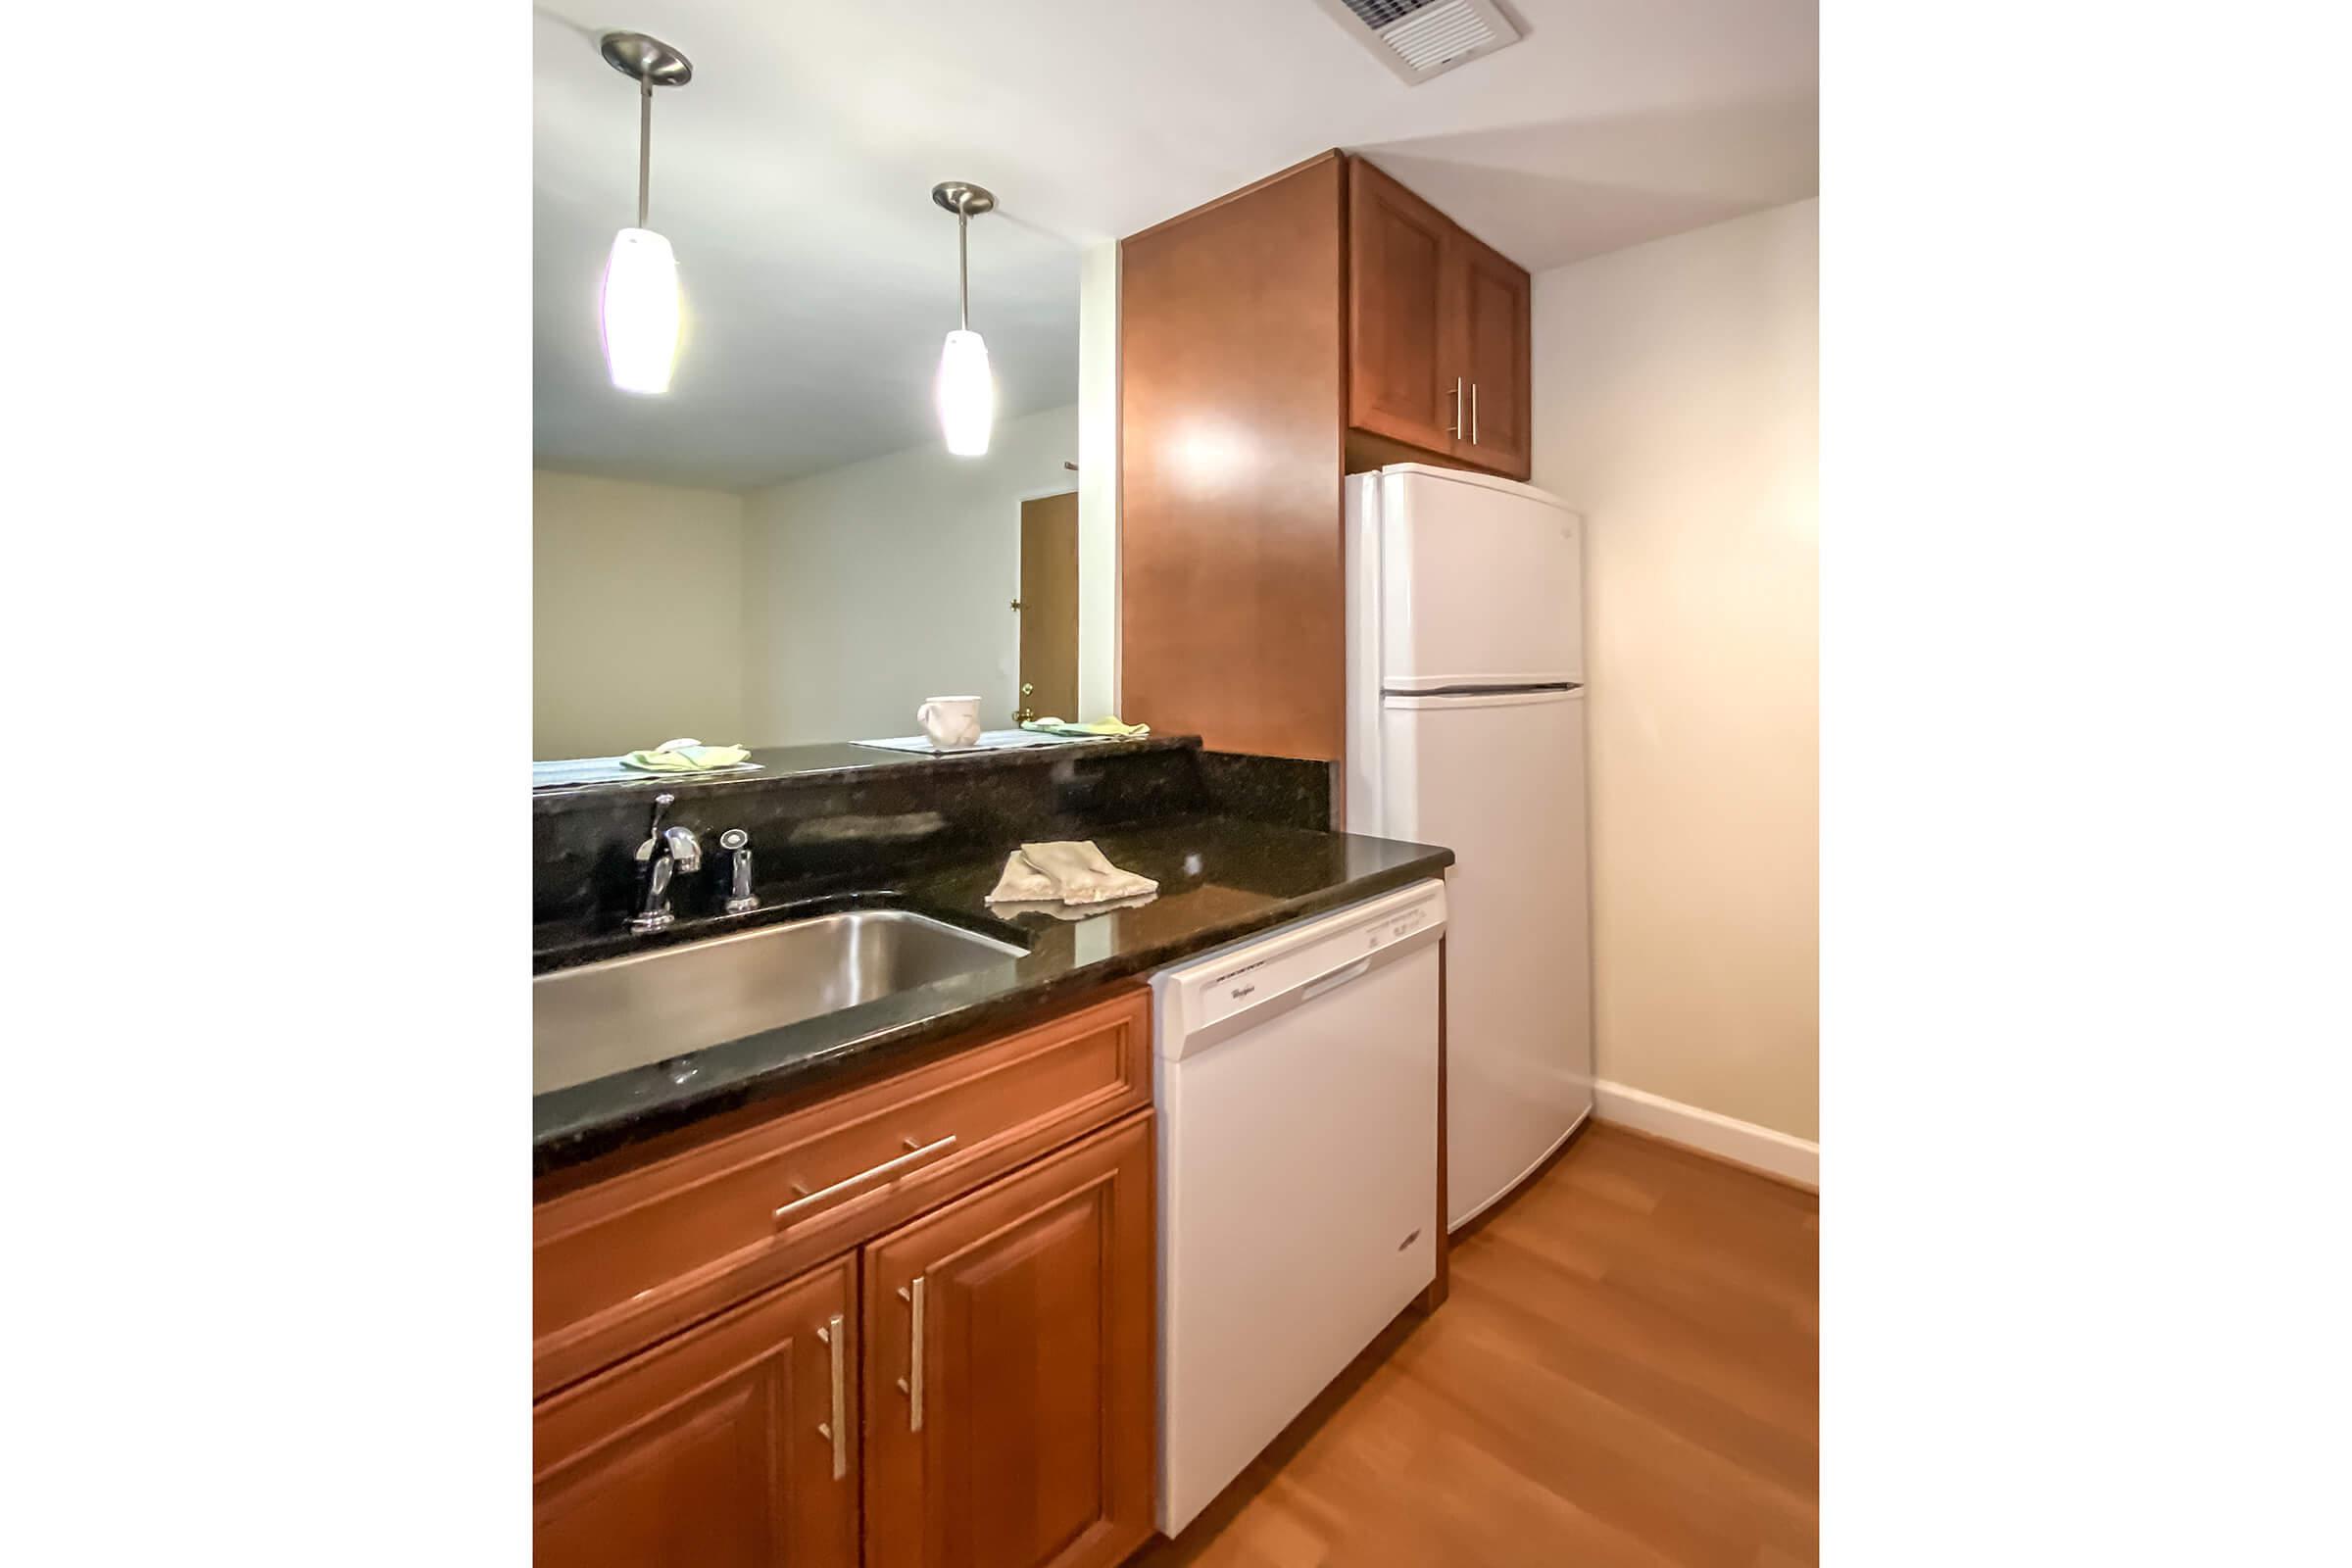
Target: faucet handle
653 832
734 838
684 847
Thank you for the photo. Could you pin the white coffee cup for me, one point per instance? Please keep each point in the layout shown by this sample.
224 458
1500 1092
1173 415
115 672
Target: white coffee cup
952 722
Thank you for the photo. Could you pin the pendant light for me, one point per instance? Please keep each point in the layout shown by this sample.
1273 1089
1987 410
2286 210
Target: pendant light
640 303
968 393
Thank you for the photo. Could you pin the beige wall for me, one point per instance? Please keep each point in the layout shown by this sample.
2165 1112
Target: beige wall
1098 481
1675 402
872 586
636 620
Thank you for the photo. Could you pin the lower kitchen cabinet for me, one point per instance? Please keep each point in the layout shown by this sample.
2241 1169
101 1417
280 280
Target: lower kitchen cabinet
1008 1369
732 1444
955 1364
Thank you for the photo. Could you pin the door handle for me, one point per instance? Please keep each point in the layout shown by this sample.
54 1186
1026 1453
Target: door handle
1332 982
889 1167
1455 428
839 1429
1474 414
912 1385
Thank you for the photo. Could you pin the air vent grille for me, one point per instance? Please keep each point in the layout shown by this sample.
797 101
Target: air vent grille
1439 34
1419 38
1378 14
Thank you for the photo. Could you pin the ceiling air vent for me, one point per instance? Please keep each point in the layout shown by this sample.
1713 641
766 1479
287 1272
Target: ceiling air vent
1419 38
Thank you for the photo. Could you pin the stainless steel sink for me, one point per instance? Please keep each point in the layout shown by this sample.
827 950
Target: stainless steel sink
625 1012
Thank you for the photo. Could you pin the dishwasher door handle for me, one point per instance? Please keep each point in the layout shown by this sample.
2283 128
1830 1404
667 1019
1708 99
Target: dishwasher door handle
1332 982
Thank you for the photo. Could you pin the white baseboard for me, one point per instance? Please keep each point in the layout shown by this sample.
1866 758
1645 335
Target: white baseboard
1742 1142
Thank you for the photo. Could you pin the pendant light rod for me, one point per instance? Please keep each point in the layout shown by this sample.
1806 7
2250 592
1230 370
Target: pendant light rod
967 201
645 147
651 64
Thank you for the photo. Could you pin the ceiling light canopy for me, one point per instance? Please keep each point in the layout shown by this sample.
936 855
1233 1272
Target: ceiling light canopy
639 305
966 391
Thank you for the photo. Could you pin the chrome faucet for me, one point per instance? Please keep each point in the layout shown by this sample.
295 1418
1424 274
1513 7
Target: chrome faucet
665 851
740 898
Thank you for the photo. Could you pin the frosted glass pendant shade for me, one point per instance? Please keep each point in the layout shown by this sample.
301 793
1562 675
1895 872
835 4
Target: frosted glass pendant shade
640 311
968 394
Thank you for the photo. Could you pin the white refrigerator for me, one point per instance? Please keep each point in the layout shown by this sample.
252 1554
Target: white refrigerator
1466 729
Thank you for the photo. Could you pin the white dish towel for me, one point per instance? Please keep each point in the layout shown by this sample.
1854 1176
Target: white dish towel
1072 871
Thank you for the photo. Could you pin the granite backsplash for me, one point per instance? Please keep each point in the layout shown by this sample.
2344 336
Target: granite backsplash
824 829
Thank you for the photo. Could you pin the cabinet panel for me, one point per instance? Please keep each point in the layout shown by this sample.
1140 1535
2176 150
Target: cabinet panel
729 1446
1403 364
1010 1369
1497 433
1233 396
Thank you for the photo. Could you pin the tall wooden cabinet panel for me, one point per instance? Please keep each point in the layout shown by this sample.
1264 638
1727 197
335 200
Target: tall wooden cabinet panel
729 1446
1010 1369
1495 431
1403 374
1233 401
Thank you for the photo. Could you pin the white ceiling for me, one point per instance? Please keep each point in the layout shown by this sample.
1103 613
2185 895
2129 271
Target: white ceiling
793 177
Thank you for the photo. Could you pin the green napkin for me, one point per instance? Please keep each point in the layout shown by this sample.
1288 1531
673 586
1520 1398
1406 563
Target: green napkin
684 757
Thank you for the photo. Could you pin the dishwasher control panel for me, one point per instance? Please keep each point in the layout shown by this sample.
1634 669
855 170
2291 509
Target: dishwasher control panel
1209 997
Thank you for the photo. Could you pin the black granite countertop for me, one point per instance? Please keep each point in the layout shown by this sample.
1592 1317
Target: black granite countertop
1221 878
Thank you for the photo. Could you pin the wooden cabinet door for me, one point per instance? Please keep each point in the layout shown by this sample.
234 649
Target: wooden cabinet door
1011 1346
1402 371
732 1444
1493 293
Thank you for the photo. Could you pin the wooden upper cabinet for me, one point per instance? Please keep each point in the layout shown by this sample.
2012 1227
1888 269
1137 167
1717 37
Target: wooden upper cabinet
1495 431
729 1446
1403 370
1010 1369
1314 324
1438 331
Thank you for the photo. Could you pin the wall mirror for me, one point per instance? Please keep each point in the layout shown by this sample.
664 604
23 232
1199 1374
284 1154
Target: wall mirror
779 549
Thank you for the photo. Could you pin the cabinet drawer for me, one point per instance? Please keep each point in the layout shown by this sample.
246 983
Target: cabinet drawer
624 1261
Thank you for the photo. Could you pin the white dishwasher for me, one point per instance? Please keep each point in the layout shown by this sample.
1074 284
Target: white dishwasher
1297 1079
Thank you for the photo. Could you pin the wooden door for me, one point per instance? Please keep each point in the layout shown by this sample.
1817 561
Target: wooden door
729 1446
1497 433
1049 607
1009 1367
1401 373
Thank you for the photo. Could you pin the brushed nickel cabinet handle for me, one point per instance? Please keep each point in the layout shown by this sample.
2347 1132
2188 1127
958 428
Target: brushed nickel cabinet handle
838 1429
913 1157
1455 428
1474 414
912 1385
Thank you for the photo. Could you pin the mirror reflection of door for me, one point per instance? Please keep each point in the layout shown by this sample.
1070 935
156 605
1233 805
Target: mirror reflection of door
1048 605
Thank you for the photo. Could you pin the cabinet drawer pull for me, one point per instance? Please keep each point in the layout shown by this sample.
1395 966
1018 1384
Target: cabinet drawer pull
838 1429
1474 414
888 1168
1455 428
912 1385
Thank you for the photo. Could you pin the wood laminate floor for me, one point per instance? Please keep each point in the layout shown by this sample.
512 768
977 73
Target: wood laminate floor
1627 1373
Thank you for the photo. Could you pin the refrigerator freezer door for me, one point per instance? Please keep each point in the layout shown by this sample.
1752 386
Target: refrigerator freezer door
1480 583
1500 779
